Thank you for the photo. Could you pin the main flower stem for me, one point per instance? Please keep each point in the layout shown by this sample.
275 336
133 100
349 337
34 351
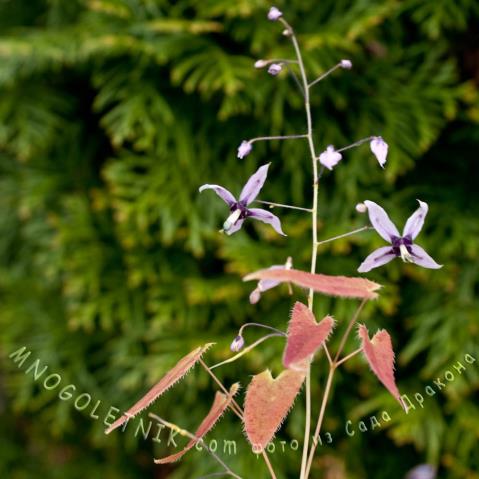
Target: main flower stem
314 217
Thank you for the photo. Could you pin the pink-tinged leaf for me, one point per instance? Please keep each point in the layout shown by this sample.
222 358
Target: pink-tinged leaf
322 283
380 356
221 402
170 378
267 403
305 335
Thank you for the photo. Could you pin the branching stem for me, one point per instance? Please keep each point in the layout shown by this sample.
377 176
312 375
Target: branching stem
344 235
280 137
240 413
280 205
189 435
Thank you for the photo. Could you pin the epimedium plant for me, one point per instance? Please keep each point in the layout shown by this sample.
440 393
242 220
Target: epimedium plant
268 400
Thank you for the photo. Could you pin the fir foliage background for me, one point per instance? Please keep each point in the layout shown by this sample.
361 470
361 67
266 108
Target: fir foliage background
113 112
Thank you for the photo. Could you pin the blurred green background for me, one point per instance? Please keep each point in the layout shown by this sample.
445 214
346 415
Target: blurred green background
114 112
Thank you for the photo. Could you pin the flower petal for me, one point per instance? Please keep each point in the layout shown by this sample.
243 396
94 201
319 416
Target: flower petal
424 471
330 157
235 227
253 186
274 14
380 149
267 217
421 258
381 222
415 221
377 258
275 69
223 193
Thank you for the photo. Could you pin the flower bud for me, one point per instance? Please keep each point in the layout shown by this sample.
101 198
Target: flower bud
380 149
244 149
237 344
260 63
361 208
274 14
274 69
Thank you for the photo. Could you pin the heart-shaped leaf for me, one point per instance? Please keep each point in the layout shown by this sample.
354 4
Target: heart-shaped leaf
171 377
267 404
322 283
305 335
380 356
221 402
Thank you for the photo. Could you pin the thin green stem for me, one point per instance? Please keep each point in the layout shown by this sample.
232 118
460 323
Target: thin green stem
280 205
356 143
317 431
349 356
281 137
189 435
344 235
348 329
324 75
259 325
245 350
236 408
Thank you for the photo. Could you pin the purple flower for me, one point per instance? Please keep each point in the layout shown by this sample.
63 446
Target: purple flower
330 157
346 64
244 149
424 471
274 69
401 245
239 210
380 149
237 344
265 284
274 14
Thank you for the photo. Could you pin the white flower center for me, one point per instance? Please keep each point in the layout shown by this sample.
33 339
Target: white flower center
231 220
405 254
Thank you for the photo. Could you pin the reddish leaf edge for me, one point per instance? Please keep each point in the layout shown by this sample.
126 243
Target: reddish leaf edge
218 408
364 329
160 387
342 286
258 448
302 364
